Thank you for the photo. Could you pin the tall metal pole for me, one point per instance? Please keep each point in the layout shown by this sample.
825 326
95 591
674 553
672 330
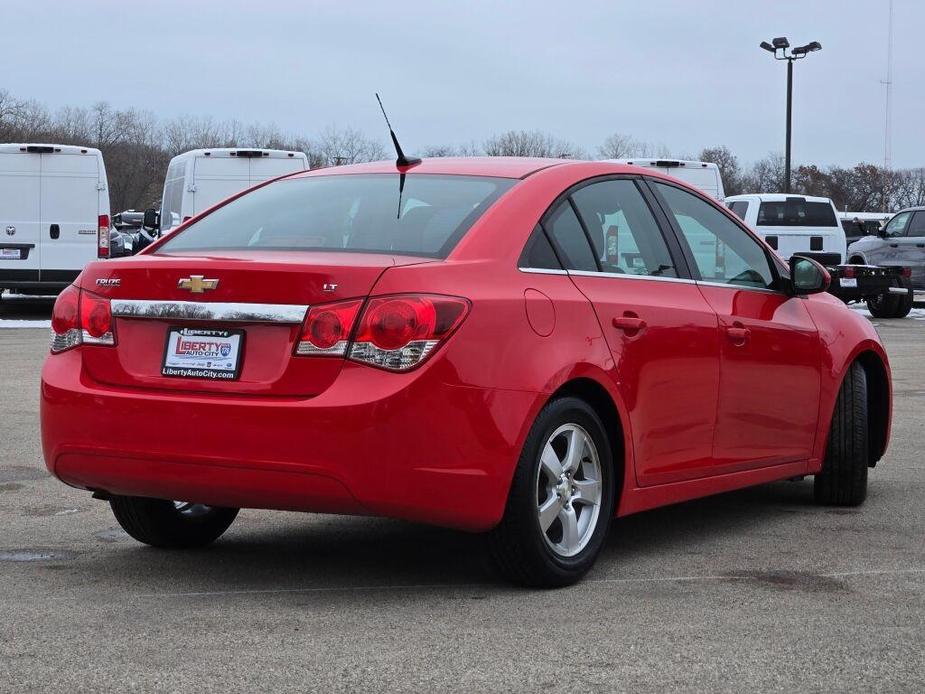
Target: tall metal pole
789 127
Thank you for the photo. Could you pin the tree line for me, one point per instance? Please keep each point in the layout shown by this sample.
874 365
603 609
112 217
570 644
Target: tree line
137 147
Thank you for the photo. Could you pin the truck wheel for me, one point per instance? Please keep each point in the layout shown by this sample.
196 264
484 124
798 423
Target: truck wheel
561 499
904 305
843 478
883 305
171 524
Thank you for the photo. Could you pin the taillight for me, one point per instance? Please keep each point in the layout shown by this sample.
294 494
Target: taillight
906 272
848 271
399 332
102 237
65 320
80 317
326 329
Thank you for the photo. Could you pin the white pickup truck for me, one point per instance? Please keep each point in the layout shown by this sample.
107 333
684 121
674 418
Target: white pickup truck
809 226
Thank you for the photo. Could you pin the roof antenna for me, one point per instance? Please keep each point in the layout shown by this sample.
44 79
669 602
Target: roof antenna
402 159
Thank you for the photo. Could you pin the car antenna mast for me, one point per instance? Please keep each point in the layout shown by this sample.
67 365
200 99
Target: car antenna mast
402 160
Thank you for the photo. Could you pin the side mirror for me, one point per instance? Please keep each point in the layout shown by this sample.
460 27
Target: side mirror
151 219
807 276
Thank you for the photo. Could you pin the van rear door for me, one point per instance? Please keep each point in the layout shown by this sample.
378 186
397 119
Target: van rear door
70 209
20 190
216 178
265 168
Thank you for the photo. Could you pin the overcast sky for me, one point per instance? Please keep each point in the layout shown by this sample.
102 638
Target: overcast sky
684 73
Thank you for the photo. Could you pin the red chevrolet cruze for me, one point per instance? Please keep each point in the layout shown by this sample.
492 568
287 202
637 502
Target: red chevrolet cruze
519 346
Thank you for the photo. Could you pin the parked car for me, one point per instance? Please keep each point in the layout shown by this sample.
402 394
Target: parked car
200 178
54 215
860 224
520 346
900 242
703 175
809 226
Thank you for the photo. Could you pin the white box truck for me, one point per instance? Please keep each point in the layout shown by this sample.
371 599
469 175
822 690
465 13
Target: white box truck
54 215
200 178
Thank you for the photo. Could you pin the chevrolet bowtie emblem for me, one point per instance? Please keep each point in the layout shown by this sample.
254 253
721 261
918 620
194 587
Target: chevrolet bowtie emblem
197 284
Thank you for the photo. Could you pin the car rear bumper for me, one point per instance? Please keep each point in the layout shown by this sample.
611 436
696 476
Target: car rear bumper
416 446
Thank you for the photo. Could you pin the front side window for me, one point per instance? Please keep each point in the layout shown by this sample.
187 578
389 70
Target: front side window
347 212
723 251
897 225
917 226
566 231
626 237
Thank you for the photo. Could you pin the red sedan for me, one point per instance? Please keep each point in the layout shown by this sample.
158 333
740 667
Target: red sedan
519 346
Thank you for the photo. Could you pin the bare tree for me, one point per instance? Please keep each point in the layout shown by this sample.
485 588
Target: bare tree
523 143
619 146
728 165
346 146
766 175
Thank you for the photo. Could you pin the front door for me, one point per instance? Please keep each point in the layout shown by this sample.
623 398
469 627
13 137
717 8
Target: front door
660 329
771 356
912 249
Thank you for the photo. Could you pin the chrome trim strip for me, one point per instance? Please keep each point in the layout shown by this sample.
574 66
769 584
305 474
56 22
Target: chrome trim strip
629 276
738 287
209 311
542 271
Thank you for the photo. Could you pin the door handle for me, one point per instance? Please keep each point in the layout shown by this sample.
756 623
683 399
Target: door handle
738 334
54 231
894 245
629 323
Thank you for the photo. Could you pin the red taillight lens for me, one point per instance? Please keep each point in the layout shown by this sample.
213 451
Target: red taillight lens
848 271
906 272
326 330
399 332
65 320
95 319
80 317
102 237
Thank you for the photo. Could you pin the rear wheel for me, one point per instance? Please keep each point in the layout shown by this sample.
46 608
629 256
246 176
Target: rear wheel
843 479
171 524
561 499
893 305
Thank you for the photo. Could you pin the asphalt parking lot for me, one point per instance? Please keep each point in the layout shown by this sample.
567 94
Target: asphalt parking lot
756 590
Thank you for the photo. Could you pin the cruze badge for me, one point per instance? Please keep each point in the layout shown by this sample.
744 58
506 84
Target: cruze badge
10 230
108 282
197 284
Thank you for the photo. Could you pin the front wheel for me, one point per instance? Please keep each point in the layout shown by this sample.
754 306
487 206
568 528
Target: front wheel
561 499
171 524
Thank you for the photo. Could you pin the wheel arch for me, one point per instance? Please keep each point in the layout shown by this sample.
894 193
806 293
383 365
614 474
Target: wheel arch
878 403
603 404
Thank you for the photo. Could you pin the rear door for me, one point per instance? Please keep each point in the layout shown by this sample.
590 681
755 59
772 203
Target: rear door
69 213
216 178
20 195
771 355
265 168
662 333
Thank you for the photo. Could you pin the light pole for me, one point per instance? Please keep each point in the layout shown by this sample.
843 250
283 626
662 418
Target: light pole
778 48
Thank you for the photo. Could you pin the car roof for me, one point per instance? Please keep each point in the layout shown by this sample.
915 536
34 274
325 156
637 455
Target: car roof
501 167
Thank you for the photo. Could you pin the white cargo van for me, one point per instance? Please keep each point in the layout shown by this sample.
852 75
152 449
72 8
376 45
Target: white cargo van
702 175
54 214
794 224
198 179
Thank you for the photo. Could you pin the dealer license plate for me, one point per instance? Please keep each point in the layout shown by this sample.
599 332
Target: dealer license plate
849 282
201 353
10 253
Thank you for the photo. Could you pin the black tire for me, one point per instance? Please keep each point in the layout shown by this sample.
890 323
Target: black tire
517 545
160 523
893 305
843 479
904 305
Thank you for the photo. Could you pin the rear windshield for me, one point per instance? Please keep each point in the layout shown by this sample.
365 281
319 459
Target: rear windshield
348 212
796 213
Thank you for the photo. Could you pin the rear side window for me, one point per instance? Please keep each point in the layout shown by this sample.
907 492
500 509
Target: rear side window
796 212
739 208
538 253
565 229
917 225
626 237
427 217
